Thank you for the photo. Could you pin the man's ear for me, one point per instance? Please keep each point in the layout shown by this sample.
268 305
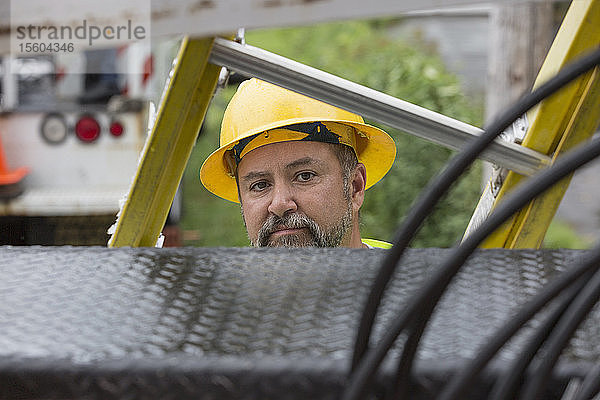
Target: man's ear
357 187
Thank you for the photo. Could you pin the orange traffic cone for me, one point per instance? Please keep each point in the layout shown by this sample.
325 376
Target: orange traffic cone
10 181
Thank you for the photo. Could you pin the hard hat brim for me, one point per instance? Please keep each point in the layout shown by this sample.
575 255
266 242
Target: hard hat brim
374 148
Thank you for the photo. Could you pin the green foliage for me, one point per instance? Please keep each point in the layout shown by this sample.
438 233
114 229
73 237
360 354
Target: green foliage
363 53
561 236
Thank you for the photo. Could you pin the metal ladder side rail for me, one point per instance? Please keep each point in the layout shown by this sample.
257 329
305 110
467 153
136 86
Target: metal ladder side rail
557 124
370 103
168 147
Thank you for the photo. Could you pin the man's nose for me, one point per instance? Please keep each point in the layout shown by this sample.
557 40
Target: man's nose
282 201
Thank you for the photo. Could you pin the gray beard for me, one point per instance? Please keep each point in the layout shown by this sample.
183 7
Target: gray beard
314 235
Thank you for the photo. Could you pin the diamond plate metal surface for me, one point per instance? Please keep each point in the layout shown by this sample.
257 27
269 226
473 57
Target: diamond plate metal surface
238 323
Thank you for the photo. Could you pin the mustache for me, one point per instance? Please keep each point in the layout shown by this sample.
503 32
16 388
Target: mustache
275 223
291 221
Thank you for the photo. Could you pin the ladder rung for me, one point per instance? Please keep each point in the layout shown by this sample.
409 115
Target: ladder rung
370 103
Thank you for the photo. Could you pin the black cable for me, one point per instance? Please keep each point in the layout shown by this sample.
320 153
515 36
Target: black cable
408 352
440 185
464 378
403 369
560 336
591 385
507 385
443 182
426 298
399 389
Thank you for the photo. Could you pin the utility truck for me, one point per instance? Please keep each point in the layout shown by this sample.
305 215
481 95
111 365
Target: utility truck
70 143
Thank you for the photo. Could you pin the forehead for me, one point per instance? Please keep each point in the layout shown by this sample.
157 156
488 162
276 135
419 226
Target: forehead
280 155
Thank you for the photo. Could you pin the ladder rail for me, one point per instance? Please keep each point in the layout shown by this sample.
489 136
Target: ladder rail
558 124
370 103
168 147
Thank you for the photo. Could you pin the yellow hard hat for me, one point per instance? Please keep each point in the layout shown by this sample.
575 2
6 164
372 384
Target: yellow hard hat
261 113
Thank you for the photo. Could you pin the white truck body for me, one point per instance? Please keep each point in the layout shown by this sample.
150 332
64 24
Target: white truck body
69 177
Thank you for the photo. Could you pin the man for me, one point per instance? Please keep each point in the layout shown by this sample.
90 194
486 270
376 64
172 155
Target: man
297 166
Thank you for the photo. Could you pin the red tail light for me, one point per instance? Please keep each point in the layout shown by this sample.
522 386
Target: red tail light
116 128
87 129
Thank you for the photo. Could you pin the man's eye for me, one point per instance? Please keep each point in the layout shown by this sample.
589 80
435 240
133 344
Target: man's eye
305 176
259 186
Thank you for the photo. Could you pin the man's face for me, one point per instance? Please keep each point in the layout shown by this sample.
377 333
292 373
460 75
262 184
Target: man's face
292 194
